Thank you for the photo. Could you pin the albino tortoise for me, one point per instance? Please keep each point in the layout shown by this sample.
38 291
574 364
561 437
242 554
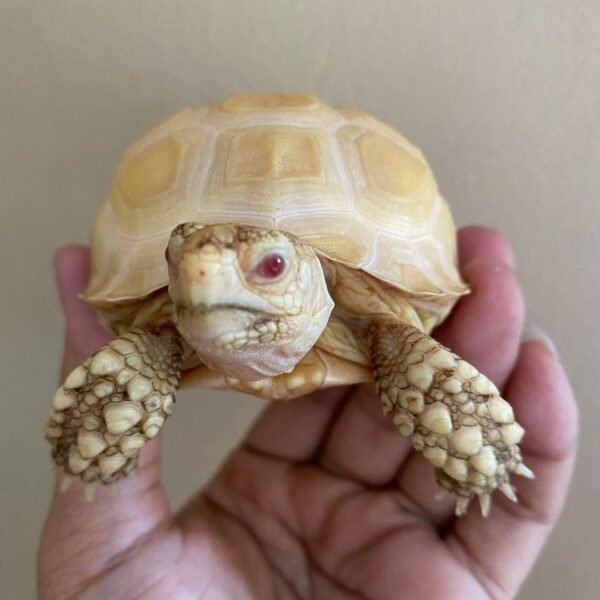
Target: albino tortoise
306 247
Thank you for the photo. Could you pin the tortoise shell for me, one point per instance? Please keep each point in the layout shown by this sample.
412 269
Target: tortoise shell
339 179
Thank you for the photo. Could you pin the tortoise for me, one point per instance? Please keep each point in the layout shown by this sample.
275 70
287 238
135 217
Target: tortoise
276 245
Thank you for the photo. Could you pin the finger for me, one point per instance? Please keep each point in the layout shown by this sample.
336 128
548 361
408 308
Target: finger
486 325
363 444
118 514
72 271
82 537
416 481
84 334
294 429
505 545
475 241
485 329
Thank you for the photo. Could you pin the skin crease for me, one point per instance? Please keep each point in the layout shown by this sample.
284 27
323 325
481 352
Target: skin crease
324 499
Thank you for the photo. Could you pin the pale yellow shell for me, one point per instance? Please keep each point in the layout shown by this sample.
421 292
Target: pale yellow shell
341 180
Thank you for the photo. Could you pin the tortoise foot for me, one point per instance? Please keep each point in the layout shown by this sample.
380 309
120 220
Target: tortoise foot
453 415
109 407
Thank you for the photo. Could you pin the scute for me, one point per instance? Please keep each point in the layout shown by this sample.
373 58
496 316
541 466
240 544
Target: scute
151 190
263 154
392 170
350 185
246 102
150 173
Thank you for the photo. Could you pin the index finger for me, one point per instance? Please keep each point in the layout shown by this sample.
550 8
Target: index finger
85 535
502 548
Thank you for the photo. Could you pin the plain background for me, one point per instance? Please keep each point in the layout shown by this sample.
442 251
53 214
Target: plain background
504 98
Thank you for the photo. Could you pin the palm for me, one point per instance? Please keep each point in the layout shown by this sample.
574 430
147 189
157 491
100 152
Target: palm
324 499
321 531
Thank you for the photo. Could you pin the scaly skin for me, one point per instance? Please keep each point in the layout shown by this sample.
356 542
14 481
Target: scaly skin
243 323
109 407
452 414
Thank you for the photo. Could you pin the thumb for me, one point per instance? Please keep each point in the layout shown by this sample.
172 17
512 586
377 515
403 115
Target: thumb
84 334
116 517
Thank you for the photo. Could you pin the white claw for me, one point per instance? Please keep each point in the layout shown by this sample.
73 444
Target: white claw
65 484
462 503
484 502
524 471
508 491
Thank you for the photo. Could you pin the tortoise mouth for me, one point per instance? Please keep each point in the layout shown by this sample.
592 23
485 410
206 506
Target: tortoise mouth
237 340
202 308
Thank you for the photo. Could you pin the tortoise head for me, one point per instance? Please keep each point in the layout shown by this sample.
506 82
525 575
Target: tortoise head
250 301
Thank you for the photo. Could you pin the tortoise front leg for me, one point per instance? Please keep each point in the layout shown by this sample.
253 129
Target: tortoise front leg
453 414
114 403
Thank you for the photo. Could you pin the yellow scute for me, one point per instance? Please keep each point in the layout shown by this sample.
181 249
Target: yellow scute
150 173
342 247
244 102
263 154
392 169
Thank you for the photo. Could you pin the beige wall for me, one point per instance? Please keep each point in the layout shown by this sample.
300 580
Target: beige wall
502 96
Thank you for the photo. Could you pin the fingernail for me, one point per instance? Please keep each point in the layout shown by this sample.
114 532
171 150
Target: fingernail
532 333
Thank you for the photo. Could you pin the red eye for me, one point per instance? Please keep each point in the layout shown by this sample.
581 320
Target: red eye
271 266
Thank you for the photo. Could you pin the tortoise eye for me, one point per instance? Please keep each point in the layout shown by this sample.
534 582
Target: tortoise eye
270 267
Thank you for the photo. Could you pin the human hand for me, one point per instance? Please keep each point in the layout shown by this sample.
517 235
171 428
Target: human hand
324 499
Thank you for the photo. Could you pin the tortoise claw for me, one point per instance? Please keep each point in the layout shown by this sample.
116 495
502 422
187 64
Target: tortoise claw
462 504
484 502
508 491
524 471
66 482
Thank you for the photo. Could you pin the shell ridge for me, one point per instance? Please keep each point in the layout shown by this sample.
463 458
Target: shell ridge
202 171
